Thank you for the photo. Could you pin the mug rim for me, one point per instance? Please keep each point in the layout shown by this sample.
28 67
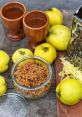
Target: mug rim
34 28
16 18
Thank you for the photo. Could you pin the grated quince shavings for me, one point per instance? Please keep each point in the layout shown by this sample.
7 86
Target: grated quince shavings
70 70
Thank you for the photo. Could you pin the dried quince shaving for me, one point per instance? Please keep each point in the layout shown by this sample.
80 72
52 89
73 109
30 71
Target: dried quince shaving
70 70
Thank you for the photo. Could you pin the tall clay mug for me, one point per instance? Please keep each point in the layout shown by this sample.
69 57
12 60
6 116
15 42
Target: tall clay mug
36 25
12 15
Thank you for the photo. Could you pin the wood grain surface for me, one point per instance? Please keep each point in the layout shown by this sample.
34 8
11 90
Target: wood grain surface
64 110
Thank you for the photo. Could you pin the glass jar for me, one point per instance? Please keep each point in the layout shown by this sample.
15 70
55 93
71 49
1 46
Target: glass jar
13 103
36 90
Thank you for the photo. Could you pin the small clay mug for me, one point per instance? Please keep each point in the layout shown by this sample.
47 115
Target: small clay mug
12 15
36 26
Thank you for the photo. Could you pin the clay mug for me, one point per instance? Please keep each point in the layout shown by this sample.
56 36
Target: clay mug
12 15
36 26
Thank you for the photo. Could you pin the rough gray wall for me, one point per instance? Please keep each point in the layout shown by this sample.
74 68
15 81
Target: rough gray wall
44 4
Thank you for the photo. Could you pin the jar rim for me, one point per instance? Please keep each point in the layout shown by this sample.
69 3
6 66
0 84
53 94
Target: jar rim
31 88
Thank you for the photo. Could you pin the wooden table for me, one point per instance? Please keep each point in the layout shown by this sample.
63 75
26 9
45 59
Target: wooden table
46 106
64 110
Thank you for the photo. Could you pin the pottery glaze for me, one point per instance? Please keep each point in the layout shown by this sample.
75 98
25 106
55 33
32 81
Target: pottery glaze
36 26
12 15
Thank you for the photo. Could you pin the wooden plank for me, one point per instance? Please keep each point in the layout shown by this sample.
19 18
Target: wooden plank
64 110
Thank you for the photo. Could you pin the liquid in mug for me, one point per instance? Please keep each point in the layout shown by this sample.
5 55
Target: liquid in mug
13 13
35 22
